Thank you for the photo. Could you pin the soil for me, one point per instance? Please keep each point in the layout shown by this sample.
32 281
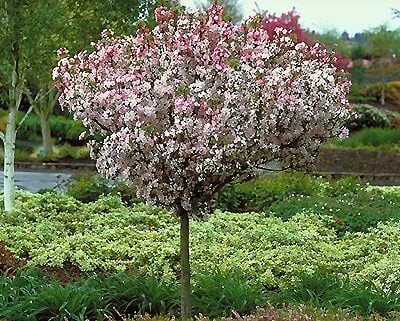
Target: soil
67 273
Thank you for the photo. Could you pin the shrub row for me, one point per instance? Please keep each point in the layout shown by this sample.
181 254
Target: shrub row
372 93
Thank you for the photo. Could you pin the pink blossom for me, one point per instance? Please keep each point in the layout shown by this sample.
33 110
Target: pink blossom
198 102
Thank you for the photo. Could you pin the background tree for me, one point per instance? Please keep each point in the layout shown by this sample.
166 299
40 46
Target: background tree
384 47
232 8
16 38
290 21
196 103
30 33
73 24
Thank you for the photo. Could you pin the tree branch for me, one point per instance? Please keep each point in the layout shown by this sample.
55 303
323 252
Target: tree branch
2 136
272 169
25 116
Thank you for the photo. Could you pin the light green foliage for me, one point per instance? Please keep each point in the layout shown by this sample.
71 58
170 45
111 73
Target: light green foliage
258 194
52 229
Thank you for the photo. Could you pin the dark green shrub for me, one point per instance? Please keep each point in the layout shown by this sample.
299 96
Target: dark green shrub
28 296
73 132
348 212
88 187
30 129
258 194
66 130
133 294
367 116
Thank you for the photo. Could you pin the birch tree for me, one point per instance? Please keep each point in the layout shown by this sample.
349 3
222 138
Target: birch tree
15 16
73 24
30 33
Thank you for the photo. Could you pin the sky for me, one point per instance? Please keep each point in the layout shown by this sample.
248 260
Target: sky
323 15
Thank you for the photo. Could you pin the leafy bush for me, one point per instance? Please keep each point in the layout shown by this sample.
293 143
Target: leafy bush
296 236
392 92
92 298
372 93
66 130
89 187
218 293
76 152
348 212
367 116
63 129
359 95
30 129
30 297
259 194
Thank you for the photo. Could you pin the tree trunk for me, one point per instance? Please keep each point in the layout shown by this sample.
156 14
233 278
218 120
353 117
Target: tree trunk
46 134
383 95
9 152
185 266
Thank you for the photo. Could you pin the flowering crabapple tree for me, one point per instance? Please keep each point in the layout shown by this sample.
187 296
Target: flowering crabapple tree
198 102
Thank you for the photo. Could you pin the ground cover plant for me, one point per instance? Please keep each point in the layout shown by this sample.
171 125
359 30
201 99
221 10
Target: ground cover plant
293 250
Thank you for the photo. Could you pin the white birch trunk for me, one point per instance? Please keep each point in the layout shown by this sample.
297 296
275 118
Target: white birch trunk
15 97
9 155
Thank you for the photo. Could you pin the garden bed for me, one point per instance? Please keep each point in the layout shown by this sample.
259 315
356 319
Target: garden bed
324 243
358 161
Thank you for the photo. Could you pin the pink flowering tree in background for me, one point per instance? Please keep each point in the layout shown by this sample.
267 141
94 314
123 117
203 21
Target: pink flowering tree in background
198 102
290 21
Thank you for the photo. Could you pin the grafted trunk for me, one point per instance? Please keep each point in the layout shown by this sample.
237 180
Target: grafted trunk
185 266
9 155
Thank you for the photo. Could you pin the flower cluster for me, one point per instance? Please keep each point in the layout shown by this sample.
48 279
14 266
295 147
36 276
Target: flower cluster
197 102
